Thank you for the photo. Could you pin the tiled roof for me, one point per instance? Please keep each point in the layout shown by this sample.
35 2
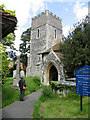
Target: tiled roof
55 48
59 53
8 23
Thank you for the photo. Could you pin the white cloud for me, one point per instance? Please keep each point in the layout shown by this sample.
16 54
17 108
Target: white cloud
23 8
80 10
67 29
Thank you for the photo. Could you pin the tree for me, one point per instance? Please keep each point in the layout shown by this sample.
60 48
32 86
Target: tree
25 45
6 10
76 48
10 38
7 41
3 62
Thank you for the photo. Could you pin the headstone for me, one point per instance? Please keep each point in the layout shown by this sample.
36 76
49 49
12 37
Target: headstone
22 74
14 73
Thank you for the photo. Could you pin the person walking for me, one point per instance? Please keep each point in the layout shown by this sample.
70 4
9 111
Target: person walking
22 86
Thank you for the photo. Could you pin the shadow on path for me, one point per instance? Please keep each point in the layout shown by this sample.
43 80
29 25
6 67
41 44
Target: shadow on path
21 109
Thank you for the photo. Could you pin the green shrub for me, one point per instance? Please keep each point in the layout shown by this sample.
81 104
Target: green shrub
37 80
55 86
47 92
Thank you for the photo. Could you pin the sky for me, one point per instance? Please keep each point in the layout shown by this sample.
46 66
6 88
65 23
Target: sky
70 11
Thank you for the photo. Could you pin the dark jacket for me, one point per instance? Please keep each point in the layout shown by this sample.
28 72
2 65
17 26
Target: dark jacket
22 83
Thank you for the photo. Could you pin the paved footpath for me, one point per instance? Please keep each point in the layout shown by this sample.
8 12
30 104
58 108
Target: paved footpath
21 109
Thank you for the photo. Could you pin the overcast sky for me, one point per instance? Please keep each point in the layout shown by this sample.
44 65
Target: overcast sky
70 11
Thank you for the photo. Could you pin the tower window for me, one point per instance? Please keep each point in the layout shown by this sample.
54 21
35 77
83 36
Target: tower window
38 33
55 33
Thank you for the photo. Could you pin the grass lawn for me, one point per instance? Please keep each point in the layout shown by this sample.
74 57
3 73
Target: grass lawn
61 107
10 94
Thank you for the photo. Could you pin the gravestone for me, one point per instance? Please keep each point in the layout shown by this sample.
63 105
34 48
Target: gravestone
22 74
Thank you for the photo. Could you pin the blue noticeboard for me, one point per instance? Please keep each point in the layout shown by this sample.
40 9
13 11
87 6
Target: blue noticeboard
83 81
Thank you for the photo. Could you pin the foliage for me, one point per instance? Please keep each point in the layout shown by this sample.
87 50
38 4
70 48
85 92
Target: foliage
47 92
9 41
76 48
4 62
25 38
61 87
6 10
25 45
10 38
12 55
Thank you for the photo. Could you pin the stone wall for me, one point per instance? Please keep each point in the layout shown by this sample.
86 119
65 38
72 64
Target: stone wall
47 17
46 23
53 59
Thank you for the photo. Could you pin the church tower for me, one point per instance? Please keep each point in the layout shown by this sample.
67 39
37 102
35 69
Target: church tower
46 31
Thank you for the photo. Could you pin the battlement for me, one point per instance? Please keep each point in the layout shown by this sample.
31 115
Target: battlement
47 13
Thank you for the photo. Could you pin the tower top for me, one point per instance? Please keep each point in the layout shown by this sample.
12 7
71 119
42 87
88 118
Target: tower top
47 13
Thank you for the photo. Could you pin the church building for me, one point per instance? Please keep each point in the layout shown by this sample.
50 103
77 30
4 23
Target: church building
44 59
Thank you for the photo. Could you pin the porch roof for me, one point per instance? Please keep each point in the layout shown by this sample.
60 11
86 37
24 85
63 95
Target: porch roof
8 23
55 48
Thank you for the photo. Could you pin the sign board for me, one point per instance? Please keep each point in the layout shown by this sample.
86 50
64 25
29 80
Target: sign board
83 81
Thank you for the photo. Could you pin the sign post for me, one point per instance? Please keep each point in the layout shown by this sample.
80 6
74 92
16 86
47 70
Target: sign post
81 102
83 82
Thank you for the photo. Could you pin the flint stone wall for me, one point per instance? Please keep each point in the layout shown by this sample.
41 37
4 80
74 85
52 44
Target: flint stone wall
47 23
52 58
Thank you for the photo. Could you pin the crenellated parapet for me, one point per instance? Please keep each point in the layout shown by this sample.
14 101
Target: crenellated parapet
46 13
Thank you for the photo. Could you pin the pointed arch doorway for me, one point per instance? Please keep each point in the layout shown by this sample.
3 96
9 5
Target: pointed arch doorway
52 73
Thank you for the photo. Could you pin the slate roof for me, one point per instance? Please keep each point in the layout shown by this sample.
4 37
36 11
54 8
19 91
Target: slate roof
8 22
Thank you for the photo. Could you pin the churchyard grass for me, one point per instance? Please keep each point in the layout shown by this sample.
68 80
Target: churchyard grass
54 106
32 85
10 94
